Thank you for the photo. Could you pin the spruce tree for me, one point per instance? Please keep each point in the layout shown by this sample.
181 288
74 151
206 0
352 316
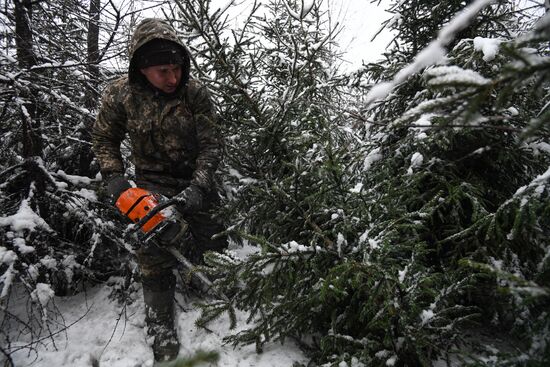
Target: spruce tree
425 238
276 97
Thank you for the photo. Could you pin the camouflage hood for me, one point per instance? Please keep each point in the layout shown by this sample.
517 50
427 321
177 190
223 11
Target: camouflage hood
148 30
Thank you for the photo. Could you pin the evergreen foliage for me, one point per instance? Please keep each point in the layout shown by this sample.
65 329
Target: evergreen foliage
277 100
422 236
56 235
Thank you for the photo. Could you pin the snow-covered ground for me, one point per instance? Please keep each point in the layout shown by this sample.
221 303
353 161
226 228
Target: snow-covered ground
104 330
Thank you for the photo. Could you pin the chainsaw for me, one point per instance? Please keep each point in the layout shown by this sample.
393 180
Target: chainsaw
157 222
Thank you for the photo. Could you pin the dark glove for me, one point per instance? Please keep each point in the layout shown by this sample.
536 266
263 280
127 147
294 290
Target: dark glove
116 185
190 200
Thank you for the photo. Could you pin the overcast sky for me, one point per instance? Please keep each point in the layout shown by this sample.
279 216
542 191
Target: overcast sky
360 19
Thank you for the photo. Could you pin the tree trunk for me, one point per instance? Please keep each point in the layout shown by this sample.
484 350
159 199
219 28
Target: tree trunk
84 151
93 53
32 142
23 32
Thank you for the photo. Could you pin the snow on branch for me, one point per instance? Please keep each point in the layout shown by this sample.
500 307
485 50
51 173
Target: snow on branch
305 9
445 75
538 184
25 218
432 54
489 47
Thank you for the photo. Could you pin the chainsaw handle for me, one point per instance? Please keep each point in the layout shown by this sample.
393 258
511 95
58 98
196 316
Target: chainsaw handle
154 211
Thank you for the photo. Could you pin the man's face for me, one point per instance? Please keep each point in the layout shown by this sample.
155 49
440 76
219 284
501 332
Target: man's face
163 77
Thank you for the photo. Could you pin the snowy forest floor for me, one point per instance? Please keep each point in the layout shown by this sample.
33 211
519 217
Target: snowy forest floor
93 326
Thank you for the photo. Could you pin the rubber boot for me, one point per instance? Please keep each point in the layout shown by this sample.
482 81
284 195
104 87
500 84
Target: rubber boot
159 316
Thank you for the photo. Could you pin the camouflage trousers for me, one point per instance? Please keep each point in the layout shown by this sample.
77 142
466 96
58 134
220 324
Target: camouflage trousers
156 263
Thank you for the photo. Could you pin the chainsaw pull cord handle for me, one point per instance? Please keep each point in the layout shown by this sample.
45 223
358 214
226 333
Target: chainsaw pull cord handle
154 211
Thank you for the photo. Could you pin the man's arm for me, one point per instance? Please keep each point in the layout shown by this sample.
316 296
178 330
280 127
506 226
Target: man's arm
109 130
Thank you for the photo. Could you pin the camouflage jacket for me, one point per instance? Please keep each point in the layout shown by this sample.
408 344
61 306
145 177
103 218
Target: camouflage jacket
174 140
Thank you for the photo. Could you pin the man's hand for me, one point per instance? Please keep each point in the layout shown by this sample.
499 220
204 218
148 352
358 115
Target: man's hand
116 185
189 200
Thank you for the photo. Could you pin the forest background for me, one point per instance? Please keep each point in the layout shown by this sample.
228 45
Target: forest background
399 212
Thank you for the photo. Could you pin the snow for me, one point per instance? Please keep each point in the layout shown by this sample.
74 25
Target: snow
8 57
371 158
513 111
7 257
75 180
416 161
533 291
33 272
357 188
101 329
381 90
540 147
25 218
42 294
55 65
21 245
243 251
69 263
95 239
391 361
489 47
462 19
445 75
424 123
402 274
244 180
341 240
434 53
538 183
364 237
426 316
87 194
374 244
294 247
382 354
7 278
49 262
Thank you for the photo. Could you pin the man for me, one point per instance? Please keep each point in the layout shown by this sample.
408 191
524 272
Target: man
175 147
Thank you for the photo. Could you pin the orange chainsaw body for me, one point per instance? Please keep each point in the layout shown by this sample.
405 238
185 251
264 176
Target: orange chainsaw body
135 203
